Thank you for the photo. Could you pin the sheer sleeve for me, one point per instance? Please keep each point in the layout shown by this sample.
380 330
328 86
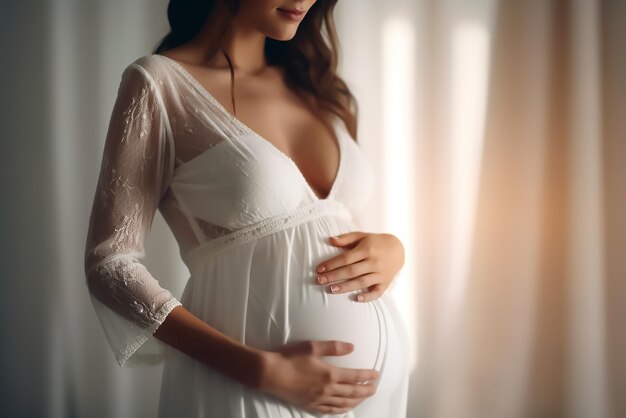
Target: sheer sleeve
136 166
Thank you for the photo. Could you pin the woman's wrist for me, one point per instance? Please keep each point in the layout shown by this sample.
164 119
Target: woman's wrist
267 363
253 366
245 364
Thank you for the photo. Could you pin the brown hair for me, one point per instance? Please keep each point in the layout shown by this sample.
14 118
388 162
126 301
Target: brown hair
308 59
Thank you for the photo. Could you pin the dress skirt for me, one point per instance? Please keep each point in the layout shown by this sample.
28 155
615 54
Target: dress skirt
258 285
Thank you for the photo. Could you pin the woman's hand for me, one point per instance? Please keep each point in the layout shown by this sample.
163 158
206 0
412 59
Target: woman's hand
371 263
296 374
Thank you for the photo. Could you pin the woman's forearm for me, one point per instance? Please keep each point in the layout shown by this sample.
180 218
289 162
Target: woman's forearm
194 337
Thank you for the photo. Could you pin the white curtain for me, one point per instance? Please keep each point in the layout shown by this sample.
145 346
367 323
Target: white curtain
497 131
498 128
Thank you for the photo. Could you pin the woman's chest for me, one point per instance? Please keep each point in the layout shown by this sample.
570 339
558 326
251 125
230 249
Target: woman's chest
230 175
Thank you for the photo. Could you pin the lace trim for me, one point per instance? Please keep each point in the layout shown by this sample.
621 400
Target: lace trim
123 355
268 226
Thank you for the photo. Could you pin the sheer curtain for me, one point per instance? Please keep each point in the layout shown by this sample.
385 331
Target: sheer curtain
496 130
500 143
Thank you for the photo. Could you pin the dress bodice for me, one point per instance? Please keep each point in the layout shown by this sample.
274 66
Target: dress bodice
233 177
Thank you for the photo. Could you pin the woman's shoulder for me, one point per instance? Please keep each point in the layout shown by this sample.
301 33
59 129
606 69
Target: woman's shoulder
150 66
153 73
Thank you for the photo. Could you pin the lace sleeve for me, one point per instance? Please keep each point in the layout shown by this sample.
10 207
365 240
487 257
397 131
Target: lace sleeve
134 174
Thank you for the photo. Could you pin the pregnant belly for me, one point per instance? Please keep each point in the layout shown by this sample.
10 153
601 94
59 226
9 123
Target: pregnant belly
264 293
287 304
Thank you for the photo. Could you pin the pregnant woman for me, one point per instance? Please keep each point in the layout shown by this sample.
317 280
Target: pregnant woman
260 198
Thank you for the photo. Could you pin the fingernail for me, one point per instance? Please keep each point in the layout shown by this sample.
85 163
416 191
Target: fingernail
360 298
334 288
322 279
320 269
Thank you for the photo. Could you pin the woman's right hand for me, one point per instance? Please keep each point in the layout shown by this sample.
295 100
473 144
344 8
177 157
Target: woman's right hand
296 374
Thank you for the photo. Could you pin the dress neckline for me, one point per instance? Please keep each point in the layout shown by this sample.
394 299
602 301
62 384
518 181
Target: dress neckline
235 120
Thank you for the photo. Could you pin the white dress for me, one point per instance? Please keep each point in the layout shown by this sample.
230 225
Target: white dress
251 231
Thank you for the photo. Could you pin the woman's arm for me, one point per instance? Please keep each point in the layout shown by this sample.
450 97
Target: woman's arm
189 334
135 171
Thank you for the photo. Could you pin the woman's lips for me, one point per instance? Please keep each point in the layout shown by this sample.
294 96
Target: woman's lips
292 14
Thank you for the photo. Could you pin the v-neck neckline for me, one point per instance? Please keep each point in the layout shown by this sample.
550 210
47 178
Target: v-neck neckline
334 122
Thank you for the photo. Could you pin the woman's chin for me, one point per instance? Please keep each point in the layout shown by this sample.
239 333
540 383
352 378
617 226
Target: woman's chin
283 32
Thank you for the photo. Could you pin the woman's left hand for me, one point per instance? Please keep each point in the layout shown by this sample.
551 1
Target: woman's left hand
371 263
